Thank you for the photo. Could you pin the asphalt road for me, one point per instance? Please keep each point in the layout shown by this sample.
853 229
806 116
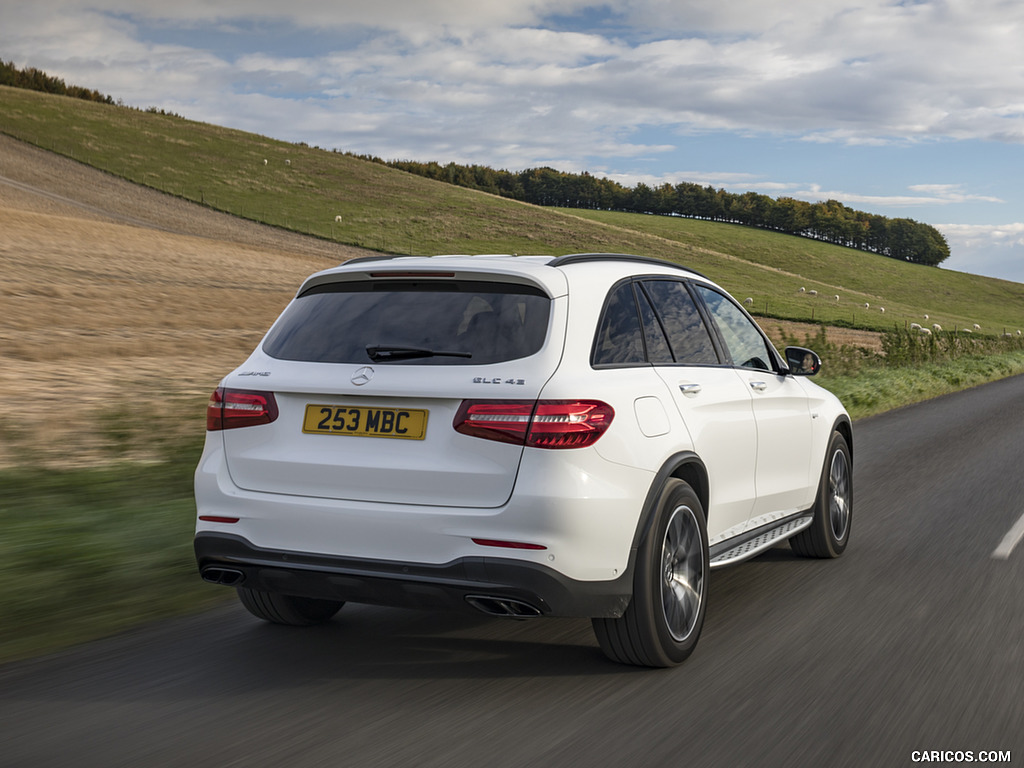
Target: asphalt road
911 641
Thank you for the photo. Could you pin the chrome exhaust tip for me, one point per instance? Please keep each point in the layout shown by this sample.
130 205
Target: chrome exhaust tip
228 577
504 607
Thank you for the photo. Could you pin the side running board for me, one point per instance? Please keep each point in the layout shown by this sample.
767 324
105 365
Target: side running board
758 541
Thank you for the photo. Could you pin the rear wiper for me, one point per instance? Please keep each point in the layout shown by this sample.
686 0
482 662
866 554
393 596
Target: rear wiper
408 353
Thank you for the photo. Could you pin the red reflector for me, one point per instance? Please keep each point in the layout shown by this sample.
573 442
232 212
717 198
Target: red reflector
232 408
539 424
216 519
507 544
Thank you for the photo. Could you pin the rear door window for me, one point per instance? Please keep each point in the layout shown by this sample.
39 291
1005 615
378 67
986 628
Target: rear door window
652 321
412 322
687 335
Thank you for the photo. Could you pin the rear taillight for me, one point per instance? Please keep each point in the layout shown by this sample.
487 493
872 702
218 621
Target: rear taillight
535 423
232 408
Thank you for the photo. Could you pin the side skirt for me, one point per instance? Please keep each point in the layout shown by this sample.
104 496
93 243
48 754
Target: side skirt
750 543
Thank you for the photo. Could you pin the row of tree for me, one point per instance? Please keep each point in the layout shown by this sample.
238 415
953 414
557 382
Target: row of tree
33 79
830 221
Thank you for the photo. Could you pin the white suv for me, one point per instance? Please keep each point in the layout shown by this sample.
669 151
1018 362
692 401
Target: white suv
586 435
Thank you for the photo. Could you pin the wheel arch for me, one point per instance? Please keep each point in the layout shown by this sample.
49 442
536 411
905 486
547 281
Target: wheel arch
686 466
844 427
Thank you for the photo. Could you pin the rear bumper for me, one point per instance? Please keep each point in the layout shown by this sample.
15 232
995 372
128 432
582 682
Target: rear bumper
469 581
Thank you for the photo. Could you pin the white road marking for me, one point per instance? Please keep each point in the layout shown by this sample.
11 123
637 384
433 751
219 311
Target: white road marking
1010 540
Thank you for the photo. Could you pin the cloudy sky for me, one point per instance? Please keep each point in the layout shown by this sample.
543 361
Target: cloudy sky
907 108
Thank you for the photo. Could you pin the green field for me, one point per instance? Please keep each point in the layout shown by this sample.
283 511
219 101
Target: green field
908 292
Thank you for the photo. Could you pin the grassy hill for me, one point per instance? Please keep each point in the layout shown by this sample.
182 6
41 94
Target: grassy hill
338 197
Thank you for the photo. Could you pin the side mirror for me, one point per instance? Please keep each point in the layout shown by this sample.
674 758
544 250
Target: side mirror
802 362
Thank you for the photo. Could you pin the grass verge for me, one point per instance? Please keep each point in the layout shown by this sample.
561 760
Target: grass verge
911 368
89 552
876 390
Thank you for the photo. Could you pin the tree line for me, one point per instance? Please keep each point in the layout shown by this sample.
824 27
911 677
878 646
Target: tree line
829 221
33 79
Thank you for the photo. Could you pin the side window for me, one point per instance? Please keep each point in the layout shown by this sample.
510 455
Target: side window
658 350
687 335
746 345
619 337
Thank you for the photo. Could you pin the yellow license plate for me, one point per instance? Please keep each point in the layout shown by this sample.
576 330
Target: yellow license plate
403 423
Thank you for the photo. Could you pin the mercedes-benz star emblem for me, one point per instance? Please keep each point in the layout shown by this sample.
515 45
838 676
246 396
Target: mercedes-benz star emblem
362 376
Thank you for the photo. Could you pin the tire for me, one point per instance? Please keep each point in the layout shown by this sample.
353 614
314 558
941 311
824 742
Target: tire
287 609
664 619
829 532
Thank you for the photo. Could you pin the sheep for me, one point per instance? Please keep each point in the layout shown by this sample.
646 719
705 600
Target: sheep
264 161
802 289
977 327
812 293
925 331
337 218
1018 332
748 301
966 330
882 310
915 326
287 162
926 317
866 305
936 327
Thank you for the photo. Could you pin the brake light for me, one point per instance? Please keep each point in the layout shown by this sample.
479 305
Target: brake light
535 423
504 421
233 408
411 274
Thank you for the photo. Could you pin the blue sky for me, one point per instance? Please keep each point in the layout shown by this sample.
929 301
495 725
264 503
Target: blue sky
911 108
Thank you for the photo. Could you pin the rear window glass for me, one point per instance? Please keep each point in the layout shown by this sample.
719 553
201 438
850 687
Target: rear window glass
412 322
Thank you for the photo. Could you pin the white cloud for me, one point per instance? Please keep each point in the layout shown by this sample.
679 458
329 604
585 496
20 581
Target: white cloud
927 194
866 73
992 250
990 234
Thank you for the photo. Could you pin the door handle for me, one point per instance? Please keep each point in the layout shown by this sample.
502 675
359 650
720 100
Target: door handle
759 386
689 389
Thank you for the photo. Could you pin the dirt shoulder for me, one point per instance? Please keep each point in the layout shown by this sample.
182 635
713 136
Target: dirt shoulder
121 307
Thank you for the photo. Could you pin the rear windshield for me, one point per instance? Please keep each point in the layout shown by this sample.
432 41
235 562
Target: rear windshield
414 322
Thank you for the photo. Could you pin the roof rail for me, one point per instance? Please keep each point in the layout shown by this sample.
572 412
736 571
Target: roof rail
577 258
561 261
